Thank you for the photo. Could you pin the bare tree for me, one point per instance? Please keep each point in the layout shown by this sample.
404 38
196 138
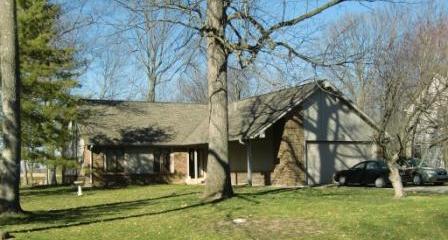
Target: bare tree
352 41
159 48
9 59
113 82
405 57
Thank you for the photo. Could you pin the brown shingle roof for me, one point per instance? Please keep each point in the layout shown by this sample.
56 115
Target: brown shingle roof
143 123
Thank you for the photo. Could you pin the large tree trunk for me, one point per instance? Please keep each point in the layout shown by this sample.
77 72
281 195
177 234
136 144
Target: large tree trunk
63 177
395 178
218 185
9 59
152 79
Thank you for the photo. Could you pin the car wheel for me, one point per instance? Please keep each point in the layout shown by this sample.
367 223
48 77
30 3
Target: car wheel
417 180
379 182
342 181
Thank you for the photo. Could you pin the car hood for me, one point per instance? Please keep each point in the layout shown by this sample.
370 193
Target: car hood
438 170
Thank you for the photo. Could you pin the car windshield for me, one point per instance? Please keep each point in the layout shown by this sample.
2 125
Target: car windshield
416 163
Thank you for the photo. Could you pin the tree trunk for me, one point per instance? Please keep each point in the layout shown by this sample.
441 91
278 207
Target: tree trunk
217 185
63 177
9 59
395 178
32 173
152 79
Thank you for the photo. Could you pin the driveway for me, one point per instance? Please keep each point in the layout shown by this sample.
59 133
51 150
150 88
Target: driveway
428 189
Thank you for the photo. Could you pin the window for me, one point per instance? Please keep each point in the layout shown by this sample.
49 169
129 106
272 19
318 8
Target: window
371 166
359 166
114 160
162 161
140 161
147 160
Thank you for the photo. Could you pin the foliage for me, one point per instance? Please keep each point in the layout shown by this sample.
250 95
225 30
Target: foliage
47 70
174 212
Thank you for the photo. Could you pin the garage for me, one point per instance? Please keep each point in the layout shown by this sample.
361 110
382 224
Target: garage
323 159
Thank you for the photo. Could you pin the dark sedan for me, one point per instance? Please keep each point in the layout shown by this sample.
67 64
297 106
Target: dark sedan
364 173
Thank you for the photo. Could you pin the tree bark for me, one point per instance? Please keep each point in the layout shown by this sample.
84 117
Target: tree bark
218 185
395 178
63 177
152 79
9 59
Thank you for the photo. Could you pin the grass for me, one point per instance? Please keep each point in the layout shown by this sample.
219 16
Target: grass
175 212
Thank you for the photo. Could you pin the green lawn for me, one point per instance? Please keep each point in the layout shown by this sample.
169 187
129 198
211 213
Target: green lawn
175 212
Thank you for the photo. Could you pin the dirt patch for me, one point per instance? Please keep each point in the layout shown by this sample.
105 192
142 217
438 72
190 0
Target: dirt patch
265 228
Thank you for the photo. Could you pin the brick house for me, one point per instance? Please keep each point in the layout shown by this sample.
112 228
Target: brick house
295 136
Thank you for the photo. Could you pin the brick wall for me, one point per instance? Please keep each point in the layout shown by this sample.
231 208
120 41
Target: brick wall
180 162
290 168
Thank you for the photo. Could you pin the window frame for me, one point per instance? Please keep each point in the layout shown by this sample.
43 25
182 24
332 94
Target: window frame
115 165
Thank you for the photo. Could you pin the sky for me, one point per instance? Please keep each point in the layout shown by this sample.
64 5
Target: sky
98 47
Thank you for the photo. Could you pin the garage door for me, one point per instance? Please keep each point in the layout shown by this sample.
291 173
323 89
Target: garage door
325 158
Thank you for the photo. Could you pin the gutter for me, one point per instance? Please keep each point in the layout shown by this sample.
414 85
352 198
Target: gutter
90 147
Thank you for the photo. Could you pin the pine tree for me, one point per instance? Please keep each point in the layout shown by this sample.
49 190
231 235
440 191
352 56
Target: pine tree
48 70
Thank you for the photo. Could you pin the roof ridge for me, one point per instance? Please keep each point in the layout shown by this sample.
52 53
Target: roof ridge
303 84
138 102
200 104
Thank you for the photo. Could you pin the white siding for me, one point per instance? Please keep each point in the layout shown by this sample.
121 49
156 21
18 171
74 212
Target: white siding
336 137
326 118
324 159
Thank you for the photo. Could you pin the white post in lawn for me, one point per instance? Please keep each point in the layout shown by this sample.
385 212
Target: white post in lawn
91 165
249 162
196 165
188 165
79 185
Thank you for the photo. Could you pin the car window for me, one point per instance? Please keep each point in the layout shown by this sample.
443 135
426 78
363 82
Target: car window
382 165
359 166
371 165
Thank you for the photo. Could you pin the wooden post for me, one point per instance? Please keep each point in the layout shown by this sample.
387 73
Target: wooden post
196 164
91 165
188 164
249 162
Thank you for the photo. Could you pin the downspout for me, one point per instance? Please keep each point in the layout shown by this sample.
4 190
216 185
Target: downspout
306 162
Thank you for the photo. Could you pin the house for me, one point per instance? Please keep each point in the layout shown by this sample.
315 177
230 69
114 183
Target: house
429 142
295 136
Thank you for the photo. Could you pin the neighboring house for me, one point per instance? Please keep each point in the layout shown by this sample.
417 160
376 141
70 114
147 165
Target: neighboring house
433 126
296 136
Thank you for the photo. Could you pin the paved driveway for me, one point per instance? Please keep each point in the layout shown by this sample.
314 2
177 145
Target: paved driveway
429 189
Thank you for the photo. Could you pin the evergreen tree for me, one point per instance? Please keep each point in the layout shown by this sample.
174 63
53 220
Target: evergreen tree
48 75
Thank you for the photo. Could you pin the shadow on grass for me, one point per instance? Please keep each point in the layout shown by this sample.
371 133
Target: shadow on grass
86 215
47 190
